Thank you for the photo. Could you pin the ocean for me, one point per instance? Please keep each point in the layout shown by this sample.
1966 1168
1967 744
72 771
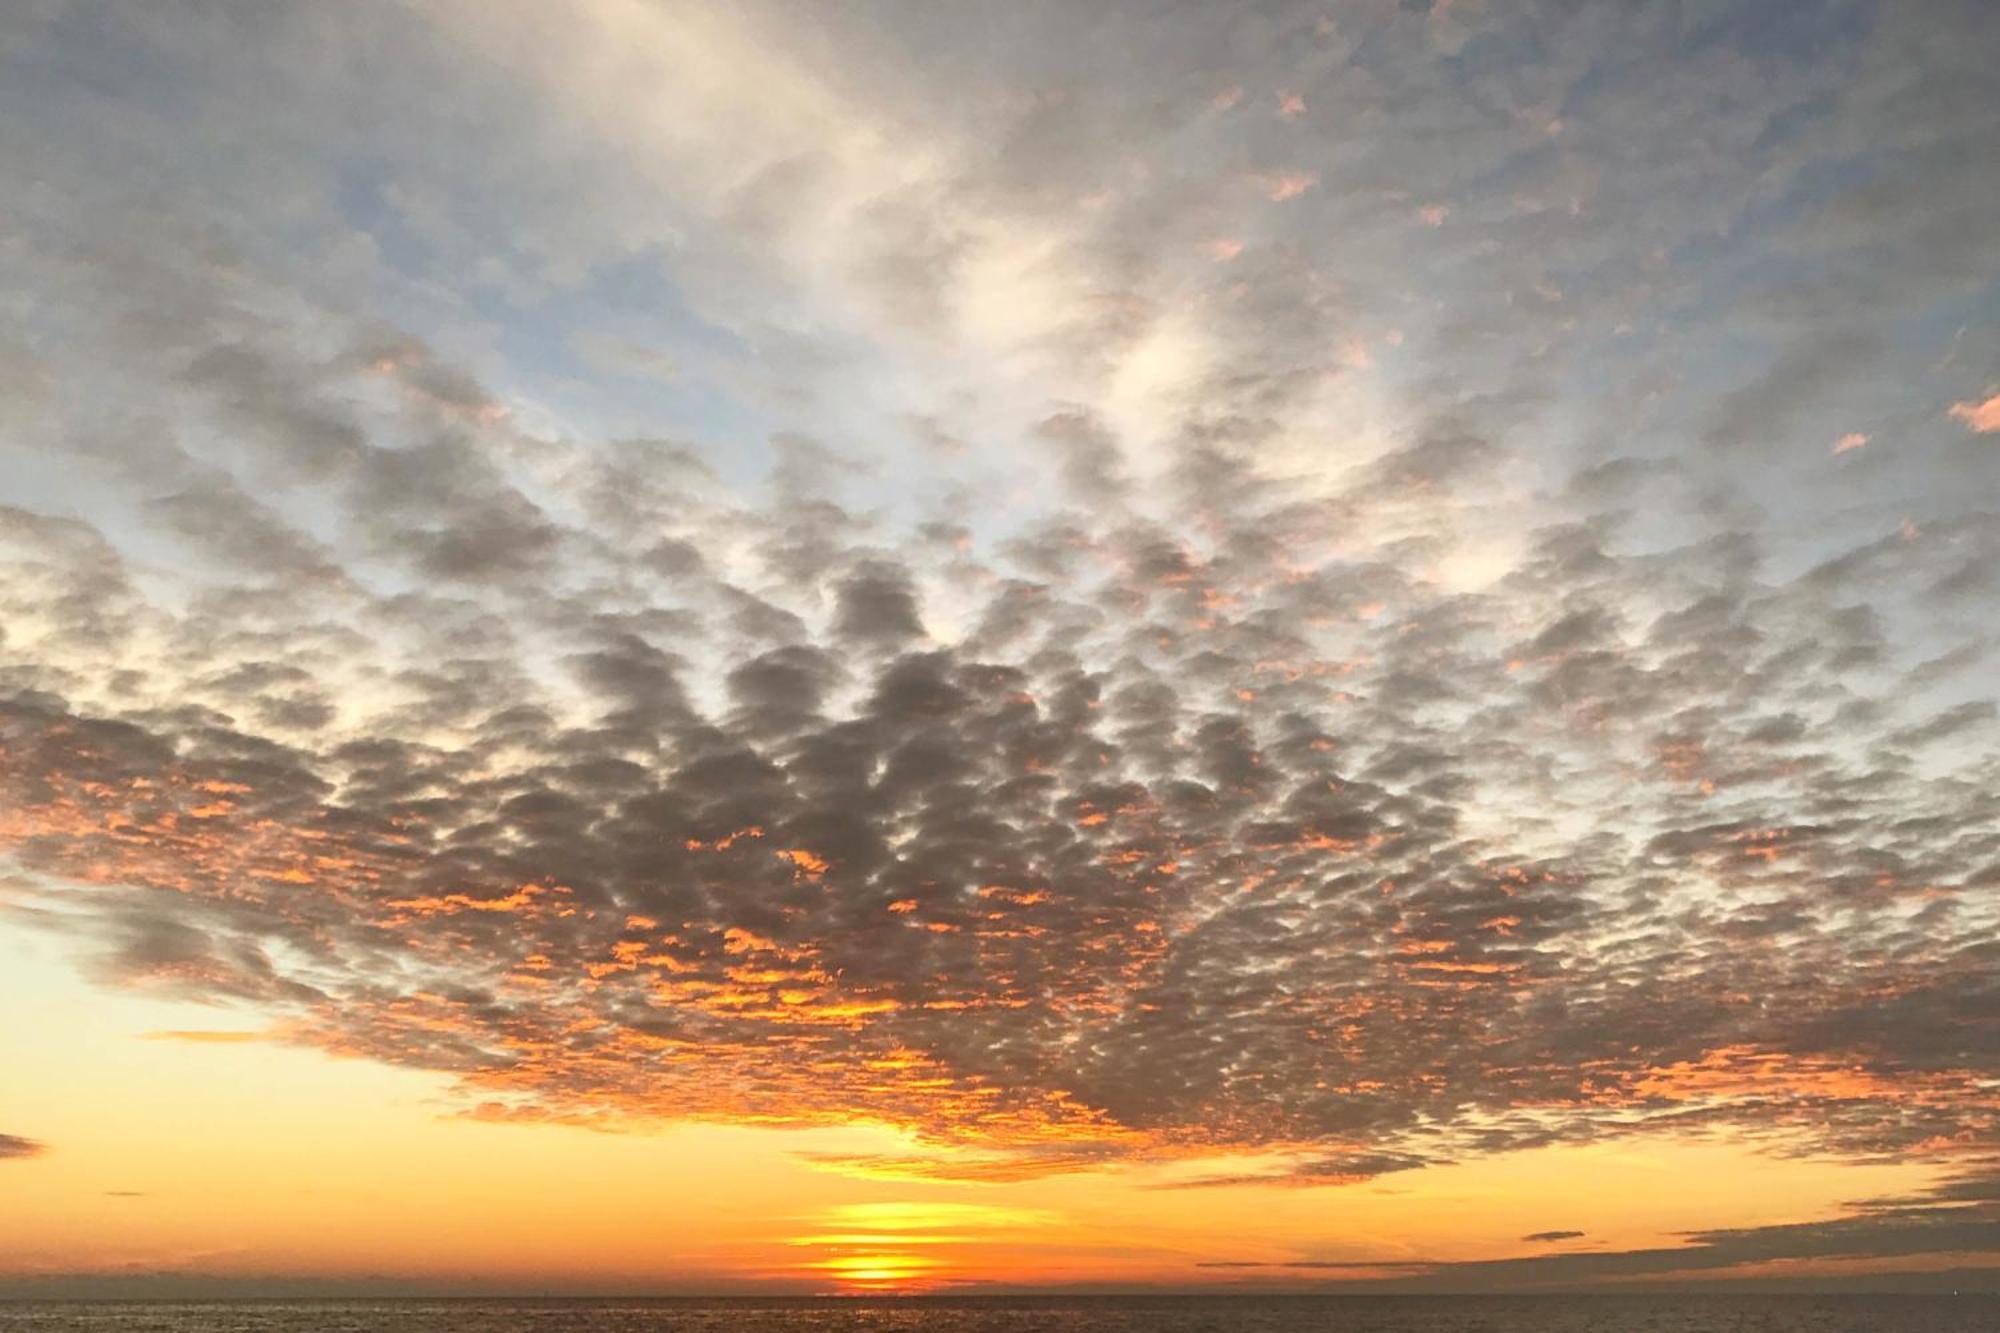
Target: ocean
1152 1314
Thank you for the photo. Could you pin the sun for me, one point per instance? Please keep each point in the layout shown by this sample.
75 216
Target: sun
880 1272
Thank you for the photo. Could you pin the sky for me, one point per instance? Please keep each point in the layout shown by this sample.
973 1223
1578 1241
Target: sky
782 647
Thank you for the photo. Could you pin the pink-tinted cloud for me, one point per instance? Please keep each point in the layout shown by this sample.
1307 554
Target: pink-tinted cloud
1982 417
1289 185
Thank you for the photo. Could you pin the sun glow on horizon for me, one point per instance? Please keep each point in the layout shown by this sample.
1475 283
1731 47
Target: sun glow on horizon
111 1198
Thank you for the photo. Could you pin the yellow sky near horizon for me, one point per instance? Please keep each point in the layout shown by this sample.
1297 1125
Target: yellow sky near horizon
256 1159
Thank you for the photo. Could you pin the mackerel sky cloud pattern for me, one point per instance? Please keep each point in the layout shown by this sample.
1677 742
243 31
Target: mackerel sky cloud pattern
1271 583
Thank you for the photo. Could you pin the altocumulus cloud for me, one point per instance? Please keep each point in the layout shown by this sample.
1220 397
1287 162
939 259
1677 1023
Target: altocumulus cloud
1290 716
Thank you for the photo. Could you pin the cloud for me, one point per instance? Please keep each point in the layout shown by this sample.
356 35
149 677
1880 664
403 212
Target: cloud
1020 680
1331 1169
1288 185
1090 887
14 1148
1545 1237
1024 1164
1957 1220
208 1036
1980 417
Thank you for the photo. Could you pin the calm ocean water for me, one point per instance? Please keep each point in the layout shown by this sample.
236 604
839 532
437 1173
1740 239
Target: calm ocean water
1339 1314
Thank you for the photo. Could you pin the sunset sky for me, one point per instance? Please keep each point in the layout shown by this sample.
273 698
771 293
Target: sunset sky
856 647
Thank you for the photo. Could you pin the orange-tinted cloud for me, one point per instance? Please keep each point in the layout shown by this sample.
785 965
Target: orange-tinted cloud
1980 416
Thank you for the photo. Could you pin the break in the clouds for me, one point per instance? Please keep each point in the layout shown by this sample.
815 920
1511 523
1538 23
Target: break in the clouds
1097 584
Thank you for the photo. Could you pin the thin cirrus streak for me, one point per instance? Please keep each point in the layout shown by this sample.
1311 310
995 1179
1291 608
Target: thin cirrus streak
1200 627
